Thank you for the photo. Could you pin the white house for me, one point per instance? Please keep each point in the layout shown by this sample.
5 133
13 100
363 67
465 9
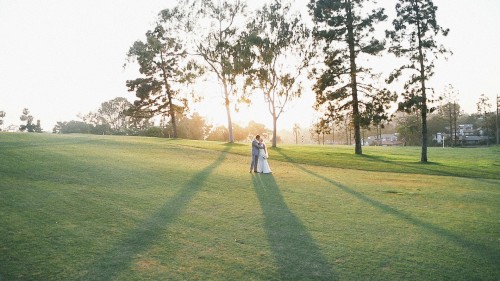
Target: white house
466 134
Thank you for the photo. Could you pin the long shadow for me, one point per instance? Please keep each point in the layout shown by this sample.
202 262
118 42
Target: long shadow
295 252
489 253
423 168
426 168
121 256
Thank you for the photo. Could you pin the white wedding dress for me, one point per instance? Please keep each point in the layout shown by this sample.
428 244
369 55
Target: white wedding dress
263 165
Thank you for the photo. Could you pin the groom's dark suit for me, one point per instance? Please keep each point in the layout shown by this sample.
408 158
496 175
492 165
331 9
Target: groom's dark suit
255 155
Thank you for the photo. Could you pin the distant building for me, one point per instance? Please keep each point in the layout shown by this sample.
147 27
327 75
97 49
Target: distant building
12 128
466 135
383 140
471 140
467 130
439 137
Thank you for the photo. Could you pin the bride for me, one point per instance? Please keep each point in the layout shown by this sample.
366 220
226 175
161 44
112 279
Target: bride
263 165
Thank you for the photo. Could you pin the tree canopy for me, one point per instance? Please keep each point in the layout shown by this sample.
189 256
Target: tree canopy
216 30
280 44
165 69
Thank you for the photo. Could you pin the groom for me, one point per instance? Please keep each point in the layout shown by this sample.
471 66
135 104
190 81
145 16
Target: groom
255 153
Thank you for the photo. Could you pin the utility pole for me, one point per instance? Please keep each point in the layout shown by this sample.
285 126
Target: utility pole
498 121
455 115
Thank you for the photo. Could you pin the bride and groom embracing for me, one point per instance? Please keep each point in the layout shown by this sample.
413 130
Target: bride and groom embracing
259 157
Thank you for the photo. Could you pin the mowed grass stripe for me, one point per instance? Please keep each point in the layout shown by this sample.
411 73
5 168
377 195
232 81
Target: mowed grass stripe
165 210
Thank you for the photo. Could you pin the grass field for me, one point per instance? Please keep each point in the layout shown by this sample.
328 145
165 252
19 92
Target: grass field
125 208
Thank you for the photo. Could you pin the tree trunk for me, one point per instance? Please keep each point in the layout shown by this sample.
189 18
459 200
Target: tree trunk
347 134
171 111
455 116
423 157
498 121
451 121
171 108
486 128
350 135
379 134
272 110
354 89
333 133
172 114
174 125
275 131
228 111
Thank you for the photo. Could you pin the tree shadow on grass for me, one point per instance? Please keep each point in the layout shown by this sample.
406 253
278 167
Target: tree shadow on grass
120 257
491 254
435 168
427 169
295 252
416 167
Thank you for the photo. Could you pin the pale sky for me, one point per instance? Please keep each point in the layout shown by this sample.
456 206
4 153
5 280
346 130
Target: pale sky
60 58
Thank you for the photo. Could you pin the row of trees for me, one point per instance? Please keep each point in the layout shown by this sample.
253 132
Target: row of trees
110 118
448 116
412 37
445 119
243 58
269 52
408 129
113 118
30 126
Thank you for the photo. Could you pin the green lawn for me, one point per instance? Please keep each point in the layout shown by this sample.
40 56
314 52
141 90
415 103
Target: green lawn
126 208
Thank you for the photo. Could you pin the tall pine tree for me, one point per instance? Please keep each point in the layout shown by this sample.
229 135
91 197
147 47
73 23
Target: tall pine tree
346 29
413 37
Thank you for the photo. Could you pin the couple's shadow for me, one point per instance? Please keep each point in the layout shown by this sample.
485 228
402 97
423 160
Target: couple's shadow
296 254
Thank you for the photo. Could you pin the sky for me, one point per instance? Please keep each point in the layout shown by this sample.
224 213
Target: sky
62 58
